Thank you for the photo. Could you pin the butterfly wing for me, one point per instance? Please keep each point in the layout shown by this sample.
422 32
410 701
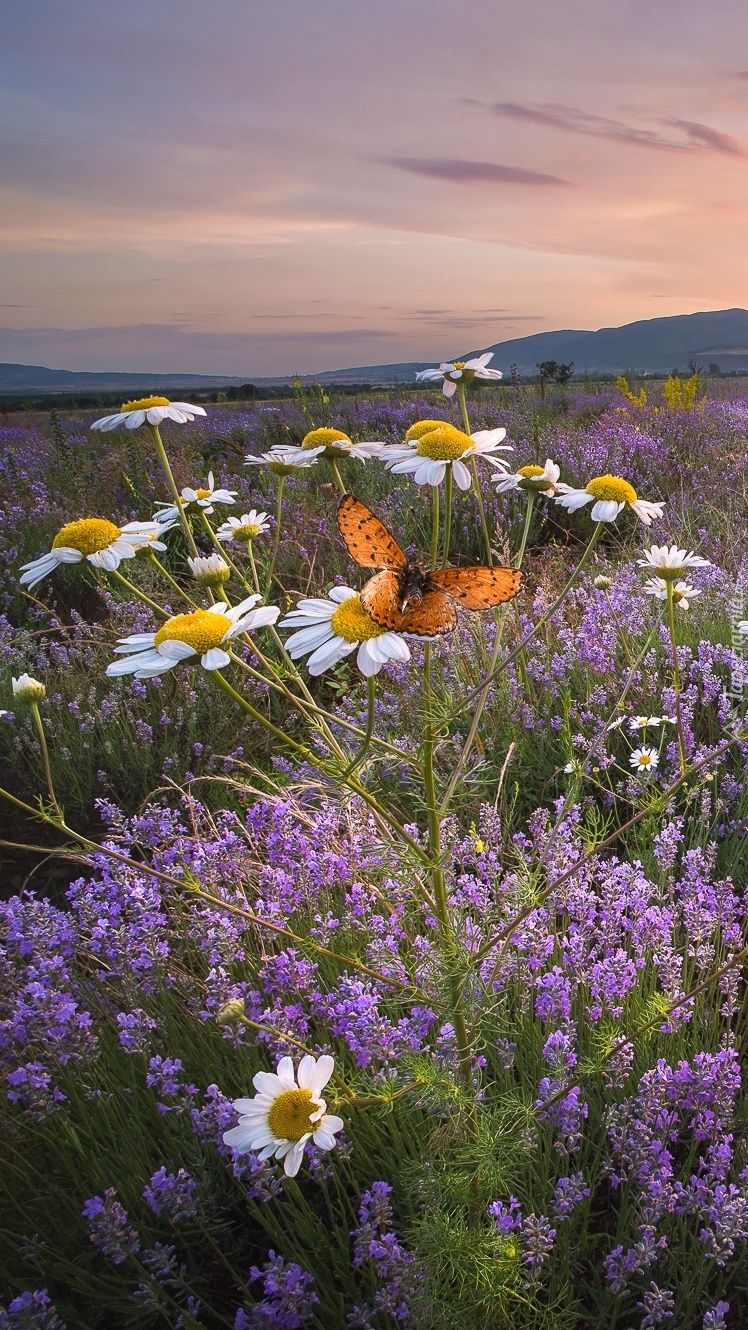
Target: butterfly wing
381 599
432 616
478 588
366 538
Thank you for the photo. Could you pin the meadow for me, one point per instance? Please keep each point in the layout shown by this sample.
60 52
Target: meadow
476 894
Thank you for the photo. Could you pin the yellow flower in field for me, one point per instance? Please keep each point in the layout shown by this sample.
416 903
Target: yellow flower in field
93 538
195 501
283 460
286 1113
533 479
453 372
150 411
428 454
332 444
203 633
28 690
609 496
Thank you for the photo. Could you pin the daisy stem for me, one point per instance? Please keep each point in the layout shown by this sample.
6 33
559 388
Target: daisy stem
437 877
253 566
463 405
676 675
45 757
560 598
467 747
135 591
281 1034
434 524
482 511
371 693
171 482
315 762
338 477
448 480
276 541
218 547
171 580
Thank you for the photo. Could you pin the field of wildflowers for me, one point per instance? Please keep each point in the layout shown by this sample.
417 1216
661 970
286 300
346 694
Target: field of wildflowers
373 942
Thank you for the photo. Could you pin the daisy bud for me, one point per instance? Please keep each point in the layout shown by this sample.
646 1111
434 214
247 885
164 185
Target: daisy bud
212 571
602 583
231 1011
28 690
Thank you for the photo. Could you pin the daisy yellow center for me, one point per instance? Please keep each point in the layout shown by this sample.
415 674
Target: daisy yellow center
203 494
421 427
444 445
534 478
201 630
290 1116
322 438
645 760
351 622
459 364
144 403
247 532
611 487
88 535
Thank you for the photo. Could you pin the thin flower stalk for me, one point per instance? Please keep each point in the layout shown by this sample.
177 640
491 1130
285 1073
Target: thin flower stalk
676 675
136 591
154 559
171 482
276 541
45 757
371 695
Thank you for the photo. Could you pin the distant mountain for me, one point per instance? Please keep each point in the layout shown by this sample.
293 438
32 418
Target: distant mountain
37 378
718 337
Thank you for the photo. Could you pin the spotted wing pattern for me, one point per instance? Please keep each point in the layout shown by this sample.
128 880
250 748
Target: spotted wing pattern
433 616
478 588
367 539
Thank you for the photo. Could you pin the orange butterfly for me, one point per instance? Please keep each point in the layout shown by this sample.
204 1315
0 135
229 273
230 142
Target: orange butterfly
404 596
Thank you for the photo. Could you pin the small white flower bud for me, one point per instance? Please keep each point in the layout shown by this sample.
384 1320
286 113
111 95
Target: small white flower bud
28 690
231 1011
212 571
602 583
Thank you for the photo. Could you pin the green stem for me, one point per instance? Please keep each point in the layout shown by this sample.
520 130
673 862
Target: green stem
171 482
338 477
676 674
475 692
371 693
434 524
463 405
253 566
482 511
135 591
45 757
276 540
168 577
438 879
448 485
315 762
464 755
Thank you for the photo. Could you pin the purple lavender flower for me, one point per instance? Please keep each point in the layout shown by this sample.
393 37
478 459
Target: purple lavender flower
31 1311
657 1305
175 1193
288 1297
715 1319
109 1227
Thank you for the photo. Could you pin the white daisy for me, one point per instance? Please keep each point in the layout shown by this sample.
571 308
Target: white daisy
244 528
425 457
92 538
532 478
286 1112
610 495
332 629
200 633
154 541
283 460
638 723
683 594
151 411
670 562
644 759
332 444
28 690
453 372
195 500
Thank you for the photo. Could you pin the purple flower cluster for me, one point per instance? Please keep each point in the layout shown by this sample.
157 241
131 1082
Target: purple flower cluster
288 1299
377 1247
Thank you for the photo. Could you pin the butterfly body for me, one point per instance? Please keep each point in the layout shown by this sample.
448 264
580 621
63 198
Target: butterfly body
404 597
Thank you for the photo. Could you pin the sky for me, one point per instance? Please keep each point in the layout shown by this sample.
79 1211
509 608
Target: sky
226 186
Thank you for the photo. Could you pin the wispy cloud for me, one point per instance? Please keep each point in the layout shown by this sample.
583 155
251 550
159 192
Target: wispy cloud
573 120
460 172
